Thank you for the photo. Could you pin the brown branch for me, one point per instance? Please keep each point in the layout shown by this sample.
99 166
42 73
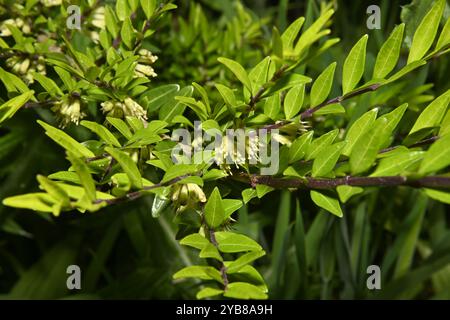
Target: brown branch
326 183
137 194
414 145
223 269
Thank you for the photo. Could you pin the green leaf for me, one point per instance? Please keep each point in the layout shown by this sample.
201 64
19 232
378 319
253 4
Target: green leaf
346 192
260 74
365 150
148 6
210 251
128 166
121 126
199 272
82 170
230 242
293 101
354 65
405 70
49 85
437 157
326 202
439 195
213 211
195 240
53 189
326 160
397 164
248 194
238 71
230 206
243 290
127 33
179 170
334 108
122 9
272 106
432 115
66 141
298 148
319 144
362 125
33 201
243 260
227 95
172 108
157 97
426 32
10 107
102 132
322 86
444 38
208 292
389 53
290 34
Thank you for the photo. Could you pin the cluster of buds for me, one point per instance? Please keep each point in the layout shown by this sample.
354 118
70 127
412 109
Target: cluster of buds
98 18
187 196
51 3
128 107
18 23
143 67
69 110
26 67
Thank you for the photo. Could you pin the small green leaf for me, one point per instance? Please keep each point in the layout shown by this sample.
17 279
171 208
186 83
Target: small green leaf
439 195
389 53
230 206
319 144
365 150
84 175
346 192
362 125
208 292
213 211
405 70
33 201
172 108
326 202
260 74
444 38
128 166
238 71
437 157
121 126
148 6
122 9
54 190
290 34
210 251
49 85
127 33
272 106
298 148
426 32
199 272
354 65
293 101
10 107
66 141
243 290
432 115
102 132
159 96
322 86
327 159
243 260
397 164
179 170
230 242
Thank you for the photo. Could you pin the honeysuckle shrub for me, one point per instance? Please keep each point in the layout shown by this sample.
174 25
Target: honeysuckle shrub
141 107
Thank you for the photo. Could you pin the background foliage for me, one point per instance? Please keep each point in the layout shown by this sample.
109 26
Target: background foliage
124 252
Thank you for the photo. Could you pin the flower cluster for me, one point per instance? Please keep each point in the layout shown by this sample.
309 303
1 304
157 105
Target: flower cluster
69 110
143 67
187 196
18 23
128 107
26 66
